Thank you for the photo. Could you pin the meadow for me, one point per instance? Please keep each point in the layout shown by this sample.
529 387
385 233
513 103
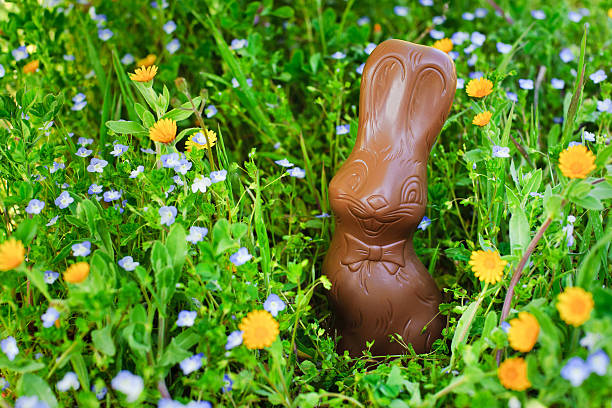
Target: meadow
164 203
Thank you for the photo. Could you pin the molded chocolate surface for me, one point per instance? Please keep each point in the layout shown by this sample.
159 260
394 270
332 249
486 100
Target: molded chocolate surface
379 286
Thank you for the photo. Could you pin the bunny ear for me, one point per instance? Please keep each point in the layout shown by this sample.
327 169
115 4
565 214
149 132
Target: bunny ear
406 94
431 99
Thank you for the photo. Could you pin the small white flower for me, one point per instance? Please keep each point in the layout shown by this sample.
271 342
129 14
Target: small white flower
201 183
526 84
478 38
574 16
588 136
503 48
186 318
233 340
70 381
9 347
49 317
400 11
169 27
238 43
459 37
241 257
129 384
191 364
590 340
566 55
557 83
499 151
436 34
297 172
218 176
135 173
284 163
127 263
598 76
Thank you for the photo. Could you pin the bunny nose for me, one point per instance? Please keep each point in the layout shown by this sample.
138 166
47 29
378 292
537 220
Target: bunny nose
377 202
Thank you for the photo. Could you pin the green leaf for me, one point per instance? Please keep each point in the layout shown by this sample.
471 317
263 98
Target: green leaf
222 240
602 191
283 12
178 348
166 276
103 340
238 230
78 363
20 365
125 127
147 92
589 202
148 119
590 266
519 231
136 334
102 235
176 244
184 111
574 106
36 276
532 185
490 324
31 384
160 257
88 213
140 111
26 231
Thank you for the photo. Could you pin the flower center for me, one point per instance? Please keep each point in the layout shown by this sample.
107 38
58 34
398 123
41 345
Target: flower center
260 332
578 306
490 263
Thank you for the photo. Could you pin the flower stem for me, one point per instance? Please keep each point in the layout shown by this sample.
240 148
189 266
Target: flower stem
517 275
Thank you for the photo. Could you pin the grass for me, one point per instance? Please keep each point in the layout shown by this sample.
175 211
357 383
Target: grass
282 96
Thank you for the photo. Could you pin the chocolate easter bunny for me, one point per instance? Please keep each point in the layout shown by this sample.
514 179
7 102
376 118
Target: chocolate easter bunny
379 286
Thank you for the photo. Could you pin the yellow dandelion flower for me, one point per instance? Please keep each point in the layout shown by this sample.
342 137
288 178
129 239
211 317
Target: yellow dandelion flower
147 61
512 374
259 329
487 266
575 306
201 140
12 254
77 273
610 13
444 45
144 74
523 332
576 162
163 131
482 119
479 87
31 67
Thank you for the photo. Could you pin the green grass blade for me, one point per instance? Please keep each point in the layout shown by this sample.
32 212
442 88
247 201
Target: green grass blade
124 86
249 100
577 96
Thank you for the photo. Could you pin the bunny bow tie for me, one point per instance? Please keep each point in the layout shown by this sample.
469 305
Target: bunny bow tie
391 256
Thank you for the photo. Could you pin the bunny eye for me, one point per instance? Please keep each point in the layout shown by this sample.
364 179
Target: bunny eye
357 174
411 191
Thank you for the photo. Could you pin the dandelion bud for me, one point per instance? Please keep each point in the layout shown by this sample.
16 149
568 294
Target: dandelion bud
181 85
